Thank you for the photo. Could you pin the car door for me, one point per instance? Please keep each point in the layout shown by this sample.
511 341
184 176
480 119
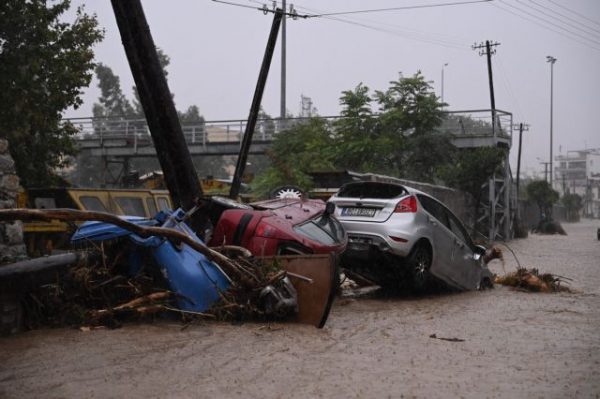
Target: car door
442 237
466 270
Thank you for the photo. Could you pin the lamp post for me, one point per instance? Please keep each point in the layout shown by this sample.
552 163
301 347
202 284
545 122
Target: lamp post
445 65
551 60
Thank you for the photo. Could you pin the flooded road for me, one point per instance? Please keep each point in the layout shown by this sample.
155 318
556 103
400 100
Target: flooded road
516 345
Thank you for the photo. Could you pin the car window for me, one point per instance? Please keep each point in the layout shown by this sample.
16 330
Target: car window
434 208
163 204
151 206
131 206
332 226
92 204
371 190
314 232
458 229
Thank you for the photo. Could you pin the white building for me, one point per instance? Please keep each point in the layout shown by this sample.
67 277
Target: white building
578 172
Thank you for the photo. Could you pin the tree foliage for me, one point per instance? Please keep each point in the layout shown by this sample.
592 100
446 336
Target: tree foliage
399 140
540 192
573 204
296 152
471 168
44 64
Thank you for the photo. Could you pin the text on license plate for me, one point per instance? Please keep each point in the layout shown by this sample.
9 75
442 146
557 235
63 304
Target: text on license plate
368 212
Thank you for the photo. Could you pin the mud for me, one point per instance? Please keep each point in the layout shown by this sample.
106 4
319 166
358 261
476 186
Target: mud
516 345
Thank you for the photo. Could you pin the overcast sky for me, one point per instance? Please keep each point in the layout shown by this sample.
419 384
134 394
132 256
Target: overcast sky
216 51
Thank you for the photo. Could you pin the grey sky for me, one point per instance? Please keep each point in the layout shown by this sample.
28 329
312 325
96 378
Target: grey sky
216 51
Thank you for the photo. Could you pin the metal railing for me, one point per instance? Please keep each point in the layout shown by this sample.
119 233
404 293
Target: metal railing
457 123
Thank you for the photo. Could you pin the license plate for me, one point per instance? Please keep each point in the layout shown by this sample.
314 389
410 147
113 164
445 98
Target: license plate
367 212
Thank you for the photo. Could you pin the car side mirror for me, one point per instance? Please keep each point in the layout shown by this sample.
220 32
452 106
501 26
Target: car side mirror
479 252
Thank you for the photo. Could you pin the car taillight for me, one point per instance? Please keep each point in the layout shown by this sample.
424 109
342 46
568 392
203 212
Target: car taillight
264 230
407 205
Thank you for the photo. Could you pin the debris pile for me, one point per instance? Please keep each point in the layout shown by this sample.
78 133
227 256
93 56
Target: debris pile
533 280
100 291
549 226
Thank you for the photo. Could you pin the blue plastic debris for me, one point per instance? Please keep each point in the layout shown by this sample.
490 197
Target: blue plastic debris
195 279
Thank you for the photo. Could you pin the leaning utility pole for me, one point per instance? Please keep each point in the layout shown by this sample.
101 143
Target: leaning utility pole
255 107
283 64
171 149
488 52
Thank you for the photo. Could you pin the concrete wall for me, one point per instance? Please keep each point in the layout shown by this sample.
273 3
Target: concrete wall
11 233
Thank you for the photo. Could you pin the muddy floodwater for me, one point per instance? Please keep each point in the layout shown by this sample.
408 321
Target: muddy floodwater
505 344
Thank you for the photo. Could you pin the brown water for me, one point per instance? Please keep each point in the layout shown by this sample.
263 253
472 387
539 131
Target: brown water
516 345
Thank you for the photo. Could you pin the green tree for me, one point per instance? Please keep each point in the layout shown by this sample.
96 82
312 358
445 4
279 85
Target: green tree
420 109
44 64
112 101
411 113
540 192
303 148
471 168
573 204
356 139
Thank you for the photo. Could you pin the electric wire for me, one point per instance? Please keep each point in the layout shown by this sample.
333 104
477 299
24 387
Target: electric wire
395 30
544 26
507 85
574 12
457 3
579 22
569 24
504 2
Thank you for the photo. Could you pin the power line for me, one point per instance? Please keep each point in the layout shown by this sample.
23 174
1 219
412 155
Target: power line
507 86
574 12
567 17
376 26
544 26
264 9
400 8
550 22
576 27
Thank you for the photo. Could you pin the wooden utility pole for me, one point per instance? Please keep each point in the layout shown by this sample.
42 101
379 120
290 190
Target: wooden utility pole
489 50
255 107
171 149
522 127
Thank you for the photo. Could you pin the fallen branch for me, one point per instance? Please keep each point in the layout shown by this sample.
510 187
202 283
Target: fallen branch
229 266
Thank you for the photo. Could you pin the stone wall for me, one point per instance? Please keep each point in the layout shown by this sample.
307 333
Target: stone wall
11 233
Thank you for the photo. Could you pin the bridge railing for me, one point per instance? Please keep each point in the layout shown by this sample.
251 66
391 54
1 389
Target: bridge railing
194 132
458 123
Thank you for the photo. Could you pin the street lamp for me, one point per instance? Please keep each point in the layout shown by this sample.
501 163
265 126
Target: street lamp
445 65
551 60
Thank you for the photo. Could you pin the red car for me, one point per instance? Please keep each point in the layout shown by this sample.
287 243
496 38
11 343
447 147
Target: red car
287 226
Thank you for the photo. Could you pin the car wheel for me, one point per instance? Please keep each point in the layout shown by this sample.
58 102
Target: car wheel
419 263
286 192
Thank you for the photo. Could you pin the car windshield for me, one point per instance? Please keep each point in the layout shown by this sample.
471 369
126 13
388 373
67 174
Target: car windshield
371 190
323 229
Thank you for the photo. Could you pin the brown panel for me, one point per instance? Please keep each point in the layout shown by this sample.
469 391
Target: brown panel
314 298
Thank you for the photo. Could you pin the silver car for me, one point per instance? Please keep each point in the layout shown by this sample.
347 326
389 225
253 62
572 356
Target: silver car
397 234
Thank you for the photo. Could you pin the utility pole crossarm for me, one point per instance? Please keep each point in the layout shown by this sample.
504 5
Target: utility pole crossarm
488 49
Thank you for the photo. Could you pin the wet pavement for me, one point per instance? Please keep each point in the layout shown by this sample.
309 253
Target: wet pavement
516 345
